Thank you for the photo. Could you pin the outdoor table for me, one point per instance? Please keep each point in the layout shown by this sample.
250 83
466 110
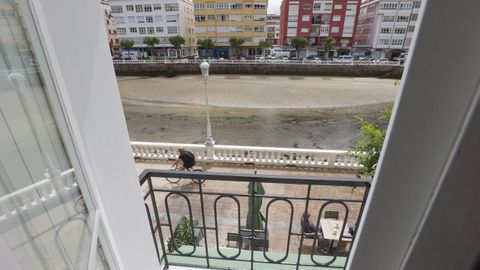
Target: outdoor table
332 228
328 229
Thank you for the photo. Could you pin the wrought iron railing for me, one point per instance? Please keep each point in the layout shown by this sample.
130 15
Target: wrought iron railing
217 207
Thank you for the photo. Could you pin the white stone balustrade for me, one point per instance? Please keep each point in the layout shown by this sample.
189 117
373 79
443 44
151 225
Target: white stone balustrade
35 194
249 154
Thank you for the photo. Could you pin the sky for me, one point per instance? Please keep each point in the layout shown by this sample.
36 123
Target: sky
274 6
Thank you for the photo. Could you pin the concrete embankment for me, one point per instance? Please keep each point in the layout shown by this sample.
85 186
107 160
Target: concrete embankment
174 69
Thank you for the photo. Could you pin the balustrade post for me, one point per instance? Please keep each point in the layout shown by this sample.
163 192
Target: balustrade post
331 160
210 152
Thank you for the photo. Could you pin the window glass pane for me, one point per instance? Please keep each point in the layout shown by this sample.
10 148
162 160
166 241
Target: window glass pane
44 217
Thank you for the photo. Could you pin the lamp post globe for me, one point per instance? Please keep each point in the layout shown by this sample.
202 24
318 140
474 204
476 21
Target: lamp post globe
204 67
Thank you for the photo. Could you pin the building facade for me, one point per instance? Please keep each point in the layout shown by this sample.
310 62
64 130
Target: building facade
273 28
385 28
318 19
162 19
220 21
113 40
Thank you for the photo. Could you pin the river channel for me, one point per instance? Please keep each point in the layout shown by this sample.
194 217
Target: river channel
274 111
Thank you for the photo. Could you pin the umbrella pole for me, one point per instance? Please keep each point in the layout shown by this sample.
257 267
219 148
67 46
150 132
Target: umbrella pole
252 224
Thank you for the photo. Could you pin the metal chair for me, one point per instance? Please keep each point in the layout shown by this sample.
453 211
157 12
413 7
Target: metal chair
331 214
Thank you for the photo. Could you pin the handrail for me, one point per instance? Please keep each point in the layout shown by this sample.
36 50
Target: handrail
244 177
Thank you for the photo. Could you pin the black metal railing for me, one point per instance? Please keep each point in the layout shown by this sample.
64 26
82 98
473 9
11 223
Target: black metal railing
203 193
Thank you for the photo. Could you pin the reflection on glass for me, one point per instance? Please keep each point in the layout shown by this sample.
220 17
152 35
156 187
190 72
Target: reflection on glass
43 216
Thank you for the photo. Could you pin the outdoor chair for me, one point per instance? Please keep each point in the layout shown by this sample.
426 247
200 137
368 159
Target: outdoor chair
343 247
312 235
234 237
331 214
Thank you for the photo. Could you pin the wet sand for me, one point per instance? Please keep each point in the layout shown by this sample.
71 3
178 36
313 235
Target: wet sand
163 113
300 128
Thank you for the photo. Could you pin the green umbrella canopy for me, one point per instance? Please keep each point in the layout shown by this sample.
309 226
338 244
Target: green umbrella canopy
255 218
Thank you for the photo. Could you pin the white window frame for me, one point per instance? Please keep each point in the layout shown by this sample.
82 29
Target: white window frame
63 90
408 209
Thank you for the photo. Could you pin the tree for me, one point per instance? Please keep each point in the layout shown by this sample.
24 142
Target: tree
327 45
127 44
150 42
299 43
236 43
207 45
177 42
264 45
369 146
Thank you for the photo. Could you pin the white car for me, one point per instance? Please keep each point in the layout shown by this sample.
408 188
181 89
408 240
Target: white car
344 58
259 58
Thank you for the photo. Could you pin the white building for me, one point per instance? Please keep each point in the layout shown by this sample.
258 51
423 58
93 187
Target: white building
385 27
136 20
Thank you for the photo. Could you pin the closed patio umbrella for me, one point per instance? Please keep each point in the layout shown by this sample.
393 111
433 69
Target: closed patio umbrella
257 222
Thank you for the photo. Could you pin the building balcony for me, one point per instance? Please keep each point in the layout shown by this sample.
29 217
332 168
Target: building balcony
251 221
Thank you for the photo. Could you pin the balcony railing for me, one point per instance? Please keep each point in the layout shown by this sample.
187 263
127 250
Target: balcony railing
217 205
338 159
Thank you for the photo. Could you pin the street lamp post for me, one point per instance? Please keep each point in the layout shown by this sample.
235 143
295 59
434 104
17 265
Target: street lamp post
204 66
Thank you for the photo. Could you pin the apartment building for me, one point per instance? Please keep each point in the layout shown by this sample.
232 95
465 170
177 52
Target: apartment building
136 20
385 27
318 19
219 21
113 40
273 28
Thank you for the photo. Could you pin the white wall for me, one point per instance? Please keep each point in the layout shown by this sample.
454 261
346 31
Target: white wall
76 44
423 210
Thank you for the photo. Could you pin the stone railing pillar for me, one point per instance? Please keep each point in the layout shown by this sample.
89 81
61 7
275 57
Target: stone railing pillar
210 149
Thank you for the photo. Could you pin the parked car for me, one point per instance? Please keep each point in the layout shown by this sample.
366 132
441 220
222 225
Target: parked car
368 58
324 58
402 58
344 58
311 57
259 58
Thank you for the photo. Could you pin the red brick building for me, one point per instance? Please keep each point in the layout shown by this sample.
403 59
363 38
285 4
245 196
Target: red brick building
318 19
